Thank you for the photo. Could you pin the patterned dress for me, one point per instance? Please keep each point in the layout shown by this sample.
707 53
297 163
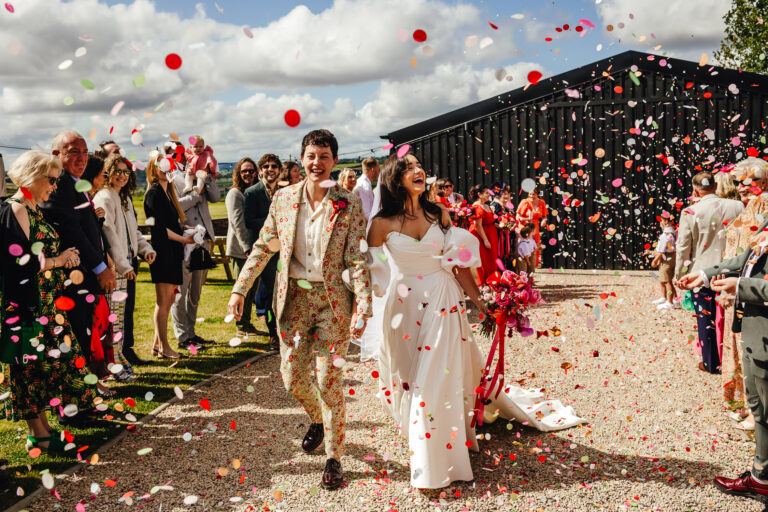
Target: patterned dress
52 376
738 237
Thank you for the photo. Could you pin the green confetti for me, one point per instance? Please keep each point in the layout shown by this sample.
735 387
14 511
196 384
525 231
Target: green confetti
303 283
633 77
144 451
159 106
37 248
154 489
87 84
69 100
90 379
381 256
249 389
139 81
269 312
83 185
585 458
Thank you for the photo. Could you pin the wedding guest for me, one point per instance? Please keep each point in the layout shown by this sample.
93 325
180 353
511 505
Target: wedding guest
290 174
239 238
526 250
167 220
505 225
700 245
126 243
71 213
533 209
256 204
201 167
106 149
484 229
437 193
453 197
364 187
726 188
30 289
347 179
94 174
742 282
664 260
751 177
195 206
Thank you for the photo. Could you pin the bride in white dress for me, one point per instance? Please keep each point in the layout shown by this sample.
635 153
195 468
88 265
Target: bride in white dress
429 363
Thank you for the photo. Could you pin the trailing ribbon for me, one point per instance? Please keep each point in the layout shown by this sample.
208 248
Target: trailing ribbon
483 392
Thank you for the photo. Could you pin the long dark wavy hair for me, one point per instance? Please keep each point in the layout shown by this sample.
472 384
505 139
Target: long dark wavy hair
394 196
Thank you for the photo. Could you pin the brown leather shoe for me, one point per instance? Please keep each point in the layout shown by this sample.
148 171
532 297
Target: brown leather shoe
332 477
274 343
744 485
313 437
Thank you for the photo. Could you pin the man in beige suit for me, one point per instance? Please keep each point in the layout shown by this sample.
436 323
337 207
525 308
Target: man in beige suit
700 245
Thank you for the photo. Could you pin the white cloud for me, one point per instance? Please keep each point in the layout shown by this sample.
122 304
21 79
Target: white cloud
684 28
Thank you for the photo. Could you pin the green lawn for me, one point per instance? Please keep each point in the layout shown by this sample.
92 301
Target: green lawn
159 378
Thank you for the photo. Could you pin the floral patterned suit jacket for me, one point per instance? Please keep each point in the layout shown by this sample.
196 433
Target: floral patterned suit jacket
341 250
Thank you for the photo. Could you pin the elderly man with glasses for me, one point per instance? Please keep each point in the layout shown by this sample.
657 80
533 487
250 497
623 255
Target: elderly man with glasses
256 203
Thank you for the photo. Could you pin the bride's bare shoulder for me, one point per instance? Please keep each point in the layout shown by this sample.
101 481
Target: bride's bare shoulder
380 228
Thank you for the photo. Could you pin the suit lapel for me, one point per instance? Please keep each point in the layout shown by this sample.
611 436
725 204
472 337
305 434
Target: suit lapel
333 195
292 205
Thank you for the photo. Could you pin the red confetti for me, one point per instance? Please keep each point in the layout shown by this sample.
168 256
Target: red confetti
752 152
618 89
534 77
494 27
68 436
80 363
351 392
26 192
233 425
579 28
64 303
548 39
542 459
449 446
111 129
292 118
468 444
173 61
130 402
205 404
419 36
375 374
512 456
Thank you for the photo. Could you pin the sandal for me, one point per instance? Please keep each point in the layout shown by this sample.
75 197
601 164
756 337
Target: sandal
55 444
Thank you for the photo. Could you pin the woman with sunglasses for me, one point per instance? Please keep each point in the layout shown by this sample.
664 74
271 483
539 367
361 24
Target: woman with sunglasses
125 243
239 239
33 272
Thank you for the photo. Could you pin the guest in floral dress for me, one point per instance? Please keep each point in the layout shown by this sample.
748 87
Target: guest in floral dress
33 273
751 177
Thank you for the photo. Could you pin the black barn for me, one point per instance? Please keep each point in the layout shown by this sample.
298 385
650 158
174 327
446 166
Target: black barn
620 137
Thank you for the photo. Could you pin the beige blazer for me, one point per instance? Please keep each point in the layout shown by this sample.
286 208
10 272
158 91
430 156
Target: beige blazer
700 237
120 225
340 244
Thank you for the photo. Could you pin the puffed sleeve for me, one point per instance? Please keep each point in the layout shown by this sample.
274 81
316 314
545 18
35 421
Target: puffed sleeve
376 260
462 249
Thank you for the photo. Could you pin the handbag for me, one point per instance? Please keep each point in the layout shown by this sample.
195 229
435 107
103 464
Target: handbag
19 341
200 259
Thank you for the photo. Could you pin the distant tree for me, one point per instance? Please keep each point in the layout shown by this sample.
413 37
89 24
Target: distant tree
745 45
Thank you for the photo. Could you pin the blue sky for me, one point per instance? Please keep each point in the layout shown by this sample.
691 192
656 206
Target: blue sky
349 65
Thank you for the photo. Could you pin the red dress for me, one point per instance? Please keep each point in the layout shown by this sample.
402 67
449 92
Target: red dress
487 256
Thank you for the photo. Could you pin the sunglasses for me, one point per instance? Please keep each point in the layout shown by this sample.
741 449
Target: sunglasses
247 171
270 166
52 180
126 172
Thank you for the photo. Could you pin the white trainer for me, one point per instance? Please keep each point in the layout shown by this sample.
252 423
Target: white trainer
661 300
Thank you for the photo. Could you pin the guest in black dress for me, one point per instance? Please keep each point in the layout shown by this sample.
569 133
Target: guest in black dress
166 218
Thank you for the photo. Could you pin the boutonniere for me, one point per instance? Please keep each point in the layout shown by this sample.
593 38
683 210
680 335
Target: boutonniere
338 206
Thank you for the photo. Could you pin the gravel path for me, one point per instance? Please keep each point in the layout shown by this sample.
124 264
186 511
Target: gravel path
656 435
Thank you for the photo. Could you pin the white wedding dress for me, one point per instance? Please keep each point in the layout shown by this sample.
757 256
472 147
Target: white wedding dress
429 363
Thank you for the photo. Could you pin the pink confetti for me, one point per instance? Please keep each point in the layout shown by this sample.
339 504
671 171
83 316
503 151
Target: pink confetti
465 255
587 23
117 108
15 250
388 147
79 507
54 402
736 141
617 182
402 35
248 32
9 8
402 150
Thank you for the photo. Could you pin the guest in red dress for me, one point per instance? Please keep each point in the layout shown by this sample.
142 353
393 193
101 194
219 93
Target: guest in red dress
484 229
534 210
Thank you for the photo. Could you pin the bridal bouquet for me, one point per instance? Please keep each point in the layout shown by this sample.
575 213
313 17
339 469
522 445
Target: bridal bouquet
507 297
506 221
461 213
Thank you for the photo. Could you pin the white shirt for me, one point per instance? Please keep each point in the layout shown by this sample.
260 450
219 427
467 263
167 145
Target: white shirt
666 240
307 248
364 190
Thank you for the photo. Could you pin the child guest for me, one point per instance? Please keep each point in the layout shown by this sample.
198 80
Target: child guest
199 160
664 259
526 250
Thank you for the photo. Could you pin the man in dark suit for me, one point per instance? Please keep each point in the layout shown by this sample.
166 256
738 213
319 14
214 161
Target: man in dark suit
743 281
72 214
256 202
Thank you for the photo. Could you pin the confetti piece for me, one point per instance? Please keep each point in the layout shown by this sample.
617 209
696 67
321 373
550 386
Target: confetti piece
81 52
534 77
139 81
403 150
234 342
703 60
144 451
419 36
90 379
292 118
179 393
65 64
35 453
87 84
64 303
173 61
303 283
247 32
69 100
527 185
494 27
9 8
205 404
116 109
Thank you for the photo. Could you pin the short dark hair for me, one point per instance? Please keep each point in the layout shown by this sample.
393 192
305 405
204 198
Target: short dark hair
704 181
101 152
527 229
322 138
93 168
269 157
370 163
475 191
